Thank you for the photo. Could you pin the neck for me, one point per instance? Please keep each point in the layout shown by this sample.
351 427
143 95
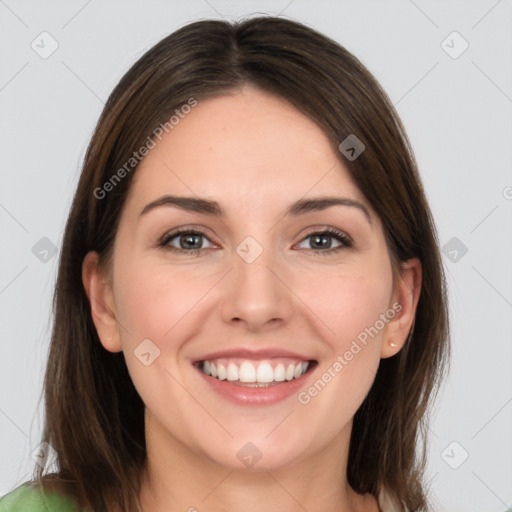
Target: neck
177 478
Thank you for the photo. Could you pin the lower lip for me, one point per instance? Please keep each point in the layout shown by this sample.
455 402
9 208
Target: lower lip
243 395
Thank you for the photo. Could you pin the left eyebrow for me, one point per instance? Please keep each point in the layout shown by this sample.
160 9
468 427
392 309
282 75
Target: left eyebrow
209 207
189 204
322 203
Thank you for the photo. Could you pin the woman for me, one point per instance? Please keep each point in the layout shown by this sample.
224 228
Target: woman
250 310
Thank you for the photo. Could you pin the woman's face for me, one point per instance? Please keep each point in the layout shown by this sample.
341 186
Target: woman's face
247 292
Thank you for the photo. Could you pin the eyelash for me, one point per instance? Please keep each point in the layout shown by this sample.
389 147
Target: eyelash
331 232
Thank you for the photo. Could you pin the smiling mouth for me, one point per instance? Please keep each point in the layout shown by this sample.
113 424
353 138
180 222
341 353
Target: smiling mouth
256 374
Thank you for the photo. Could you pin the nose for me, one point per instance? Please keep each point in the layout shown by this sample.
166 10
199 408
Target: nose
257 294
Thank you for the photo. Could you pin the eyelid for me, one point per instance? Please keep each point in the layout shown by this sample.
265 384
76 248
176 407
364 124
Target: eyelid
327 229
185 228
343 238
173 233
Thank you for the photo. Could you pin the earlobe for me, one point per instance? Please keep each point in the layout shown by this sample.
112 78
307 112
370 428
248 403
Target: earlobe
99 293
406 294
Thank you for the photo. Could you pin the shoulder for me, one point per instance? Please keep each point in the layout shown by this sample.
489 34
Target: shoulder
28 498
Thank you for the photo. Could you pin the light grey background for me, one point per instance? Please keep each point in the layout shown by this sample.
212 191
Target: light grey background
457 112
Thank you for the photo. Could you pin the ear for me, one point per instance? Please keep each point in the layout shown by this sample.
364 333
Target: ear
99 293
406 295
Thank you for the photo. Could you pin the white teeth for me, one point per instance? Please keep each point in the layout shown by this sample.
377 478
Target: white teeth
221 372
247 372
250 372
265 373
279 373
232 371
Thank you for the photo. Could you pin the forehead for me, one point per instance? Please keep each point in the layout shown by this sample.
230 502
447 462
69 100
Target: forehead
248 147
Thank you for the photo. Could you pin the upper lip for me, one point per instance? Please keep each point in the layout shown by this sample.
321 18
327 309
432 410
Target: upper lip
246 353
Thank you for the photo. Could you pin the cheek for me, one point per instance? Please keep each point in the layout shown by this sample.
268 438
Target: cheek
350 301
350 305
152 300
157 302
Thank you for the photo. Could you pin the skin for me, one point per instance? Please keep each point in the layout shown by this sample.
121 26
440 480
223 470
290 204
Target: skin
254 154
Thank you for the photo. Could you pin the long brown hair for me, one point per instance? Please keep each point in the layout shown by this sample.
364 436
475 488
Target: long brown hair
94 417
